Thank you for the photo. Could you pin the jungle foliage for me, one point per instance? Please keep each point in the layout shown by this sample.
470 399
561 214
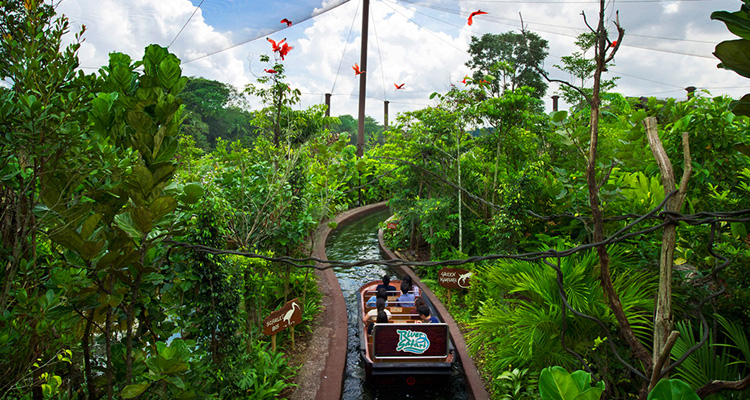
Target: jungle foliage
104 197
113 186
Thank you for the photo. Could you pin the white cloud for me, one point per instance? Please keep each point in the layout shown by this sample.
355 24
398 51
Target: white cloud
422 45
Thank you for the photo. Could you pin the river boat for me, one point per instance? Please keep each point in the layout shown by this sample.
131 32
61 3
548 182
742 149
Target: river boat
404 351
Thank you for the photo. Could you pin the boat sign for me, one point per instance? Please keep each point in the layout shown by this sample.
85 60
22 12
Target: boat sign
410 340
454 278
289 315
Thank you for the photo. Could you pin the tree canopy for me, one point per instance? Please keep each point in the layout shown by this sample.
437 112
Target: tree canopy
510 59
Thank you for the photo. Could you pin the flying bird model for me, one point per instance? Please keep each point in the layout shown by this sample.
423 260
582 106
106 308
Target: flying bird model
401 86
471 16
285 50
275 46
286 21
356 69
271 71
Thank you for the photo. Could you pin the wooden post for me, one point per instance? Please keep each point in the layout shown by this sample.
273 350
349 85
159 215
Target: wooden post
273 342
449 296
292 328
328 104
385 114
362 80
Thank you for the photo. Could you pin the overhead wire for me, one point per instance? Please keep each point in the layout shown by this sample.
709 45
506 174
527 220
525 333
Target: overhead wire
556 33
343 53
243 42
515 22
185 24
380 57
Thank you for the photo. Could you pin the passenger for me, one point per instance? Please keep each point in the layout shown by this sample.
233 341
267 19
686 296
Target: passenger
424 315
419 302
406 299
415 288
382 319
379 306
379 294
387 284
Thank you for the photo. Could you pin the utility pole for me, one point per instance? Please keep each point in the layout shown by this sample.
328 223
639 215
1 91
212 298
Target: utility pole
362 89
363 81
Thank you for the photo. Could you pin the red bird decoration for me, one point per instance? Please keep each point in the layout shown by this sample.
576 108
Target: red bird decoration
356 69
271 71
614 43
282 48
275 46
401 86
471 16
286 21
285 50
464 81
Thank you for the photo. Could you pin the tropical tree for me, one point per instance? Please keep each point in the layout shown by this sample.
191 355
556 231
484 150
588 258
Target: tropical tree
511 60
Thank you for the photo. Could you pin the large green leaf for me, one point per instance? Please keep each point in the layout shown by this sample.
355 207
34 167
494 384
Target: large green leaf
672 389
734 55
162 206
741 106
193 192
125 222
737 22
555 383
131 391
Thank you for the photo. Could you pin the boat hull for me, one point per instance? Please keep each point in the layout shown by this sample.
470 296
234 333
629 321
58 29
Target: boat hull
404 351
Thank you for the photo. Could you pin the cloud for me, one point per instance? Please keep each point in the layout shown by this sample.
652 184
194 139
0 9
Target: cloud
667 45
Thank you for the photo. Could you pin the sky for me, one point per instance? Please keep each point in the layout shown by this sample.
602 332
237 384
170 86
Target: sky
423 44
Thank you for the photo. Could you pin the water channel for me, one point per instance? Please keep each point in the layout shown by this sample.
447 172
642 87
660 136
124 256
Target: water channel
359 241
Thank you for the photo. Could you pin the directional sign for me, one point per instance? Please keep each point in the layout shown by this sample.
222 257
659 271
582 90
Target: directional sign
454 278
289 315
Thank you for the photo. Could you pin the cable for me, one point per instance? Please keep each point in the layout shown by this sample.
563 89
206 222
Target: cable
431 32
258 37
492 17
380 57
348 36
630 76
184 25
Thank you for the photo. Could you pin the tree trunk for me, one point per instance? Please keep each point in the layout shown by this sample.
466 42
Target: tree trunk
605 275
87 356
663 313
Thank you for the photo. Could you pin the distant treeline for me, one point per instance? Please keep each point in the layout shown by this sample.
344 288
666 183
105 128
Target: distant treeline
218 110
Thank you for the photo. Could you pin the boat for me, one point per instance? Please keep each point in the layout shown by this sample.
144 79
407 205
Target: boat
403 351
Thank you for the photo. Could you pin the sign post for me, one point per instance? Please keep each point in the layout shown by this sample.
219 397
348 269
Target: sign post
287 316
454 278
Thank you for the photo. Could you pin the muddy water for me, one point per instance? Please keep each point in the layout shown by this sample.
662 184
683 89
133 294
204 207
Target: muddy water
359 241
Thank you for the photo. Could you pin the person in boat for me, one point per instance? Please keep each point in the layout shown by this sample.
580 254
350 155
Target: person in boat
407 298
424 315
387 284
419 302
380 293
382 319
379 306
414 288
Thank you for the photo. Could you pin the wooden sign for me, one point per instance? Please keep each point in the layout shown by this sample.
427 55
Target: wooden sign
289 315
454 278
410 340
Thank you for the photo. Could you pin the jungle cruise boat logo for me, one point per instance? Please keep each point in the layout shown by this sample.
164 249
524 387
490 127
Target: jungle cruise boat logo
412 341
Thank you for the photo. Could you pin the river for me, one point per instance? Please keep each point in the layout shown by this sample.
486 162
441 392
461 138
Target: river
359 241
